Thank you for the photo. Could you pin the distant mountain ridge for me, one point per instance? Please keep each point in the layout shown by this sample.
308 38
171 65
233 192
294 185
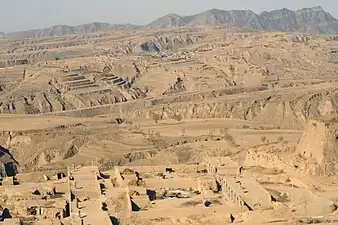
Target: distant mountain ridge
61 30
310 20
307 20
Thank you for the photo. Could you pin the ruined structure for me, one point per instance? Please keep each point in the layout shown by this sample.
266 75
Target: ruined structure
319 143
217 165
82 187
11 221
46 209
245 193
254 158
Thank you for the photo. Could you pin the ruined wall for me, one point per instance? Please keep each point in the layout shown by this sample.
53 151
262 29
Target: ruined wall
119 179
245 193
270 160
320 141
207 183
319 146
255 158
331 148
313 140
231 194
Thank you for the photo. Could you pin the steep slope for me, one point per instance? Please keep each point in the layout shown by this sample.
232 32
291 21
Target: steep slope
280 20
316 20
310 20
217 17
170 20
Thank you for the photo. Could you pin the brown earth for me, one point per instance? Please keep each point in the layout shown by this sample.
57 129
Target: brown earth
185 99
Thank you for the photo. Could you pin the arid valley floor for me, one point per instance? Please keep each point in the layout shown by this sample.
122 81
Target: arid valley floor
169 126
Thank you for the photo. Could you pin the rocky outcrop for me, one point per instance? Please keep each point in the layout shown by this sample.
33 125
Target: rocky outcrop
169 43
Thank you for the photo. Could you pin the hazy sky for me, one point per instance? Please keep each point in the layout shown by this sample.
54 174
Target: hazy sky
28 14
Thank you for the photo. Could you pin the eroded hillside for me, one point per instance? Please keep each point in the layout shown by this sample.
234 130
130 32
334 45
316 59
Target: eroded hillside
160 64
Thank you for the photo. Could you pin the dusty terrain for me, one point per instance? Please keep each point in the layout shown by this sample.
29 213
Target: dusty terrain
170 126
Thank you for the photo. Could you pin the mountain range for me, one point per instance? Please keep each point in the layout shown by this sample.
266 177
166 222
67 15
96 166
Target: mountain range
308 20
60 30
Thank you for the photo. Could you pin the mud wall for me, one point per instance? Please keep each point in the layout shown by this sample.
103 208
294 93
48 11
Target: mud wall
313 141
256 158
320 143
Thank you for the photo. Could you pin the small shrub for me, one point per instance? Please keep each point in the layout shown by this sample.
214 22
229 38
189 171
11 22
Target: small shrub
128 171
156 117
224 131
157 135
129 122
190 203
137 183
263 139
137 127
285 142
177 117
114 182
133 193
183 131
280 139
